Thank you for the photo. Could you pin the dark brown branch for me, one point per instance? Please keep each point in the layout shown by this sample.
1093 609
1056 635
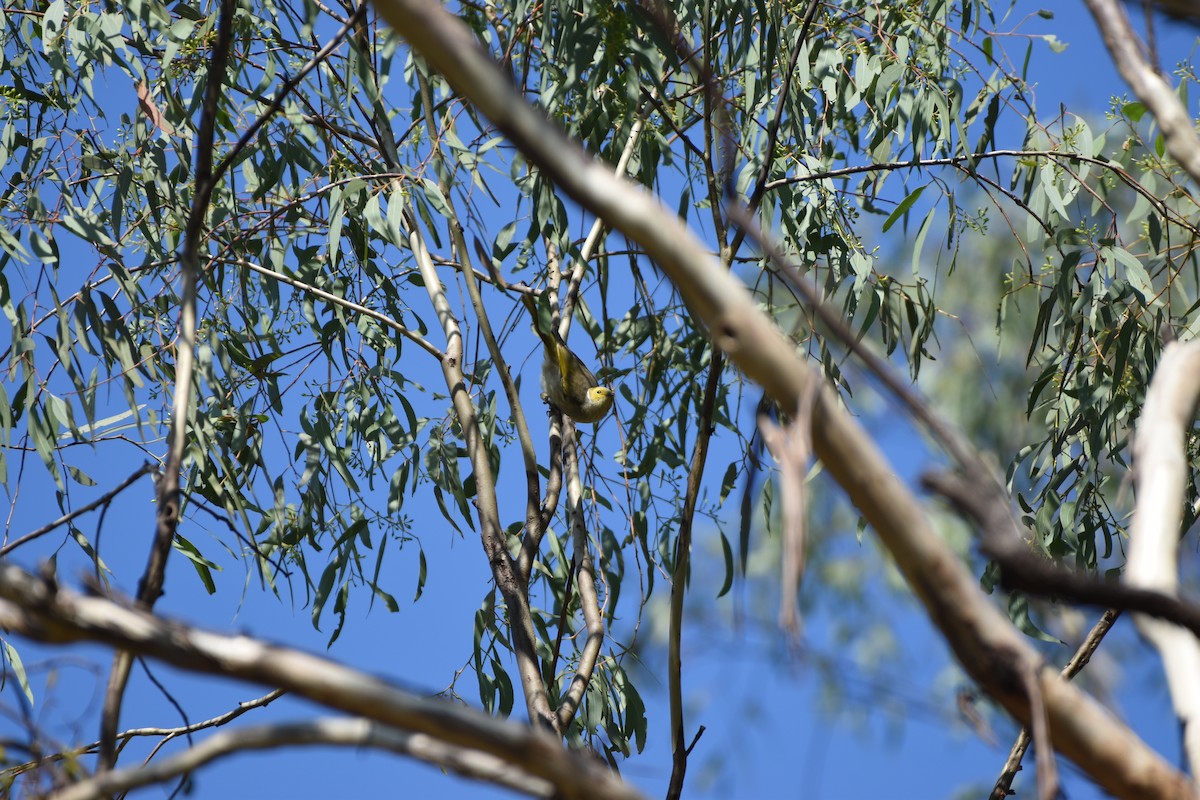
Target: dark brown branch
1021 569
168 494
679 576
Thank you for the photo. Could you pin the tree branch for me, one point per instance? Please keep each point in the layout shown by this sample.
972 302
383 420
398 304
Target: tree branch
679 578
168 495
32 608
102 500
320 732
585 579
167 733
491 532
1160 475
1176 125
1078 661
357 308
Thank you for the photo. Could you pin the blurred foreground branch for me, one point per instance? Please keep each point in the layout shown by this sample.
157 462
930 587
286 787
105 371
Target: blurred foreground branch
38 610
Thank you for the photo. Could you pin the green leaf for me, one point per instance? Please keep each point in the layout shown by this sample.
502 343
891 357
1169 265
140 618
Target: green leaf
902 208
422 574
13 660
727 552
203 566
1018 612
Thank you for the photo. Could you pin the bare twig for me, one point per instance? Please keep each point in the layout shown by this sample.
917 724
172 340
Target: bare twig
679 577
167 734
1083 654
333 299
768 157
286 89
102 500
965 164
1024 570
1039 727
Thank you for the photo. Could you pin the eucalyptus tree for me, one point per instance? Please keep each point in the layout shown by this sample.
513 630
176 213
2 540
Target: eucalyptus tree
272 255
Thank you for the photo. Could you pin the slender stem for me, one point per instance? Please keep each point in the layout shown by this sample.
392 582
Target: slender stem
1083 654
102 500
585 579
683 547
490 530
333 299
168 495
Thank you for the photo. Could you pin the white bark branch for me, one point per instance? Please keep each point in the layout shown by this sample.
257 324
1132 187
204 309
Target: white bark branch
33 609
1179 133
1160 475
491 532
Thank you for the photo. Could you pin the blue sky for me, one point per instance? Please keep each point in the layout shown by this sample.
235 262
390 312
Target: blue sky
767 733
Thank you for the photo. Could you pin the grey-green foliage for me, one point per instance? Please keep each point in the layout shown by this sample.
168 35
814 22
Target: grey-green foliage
316 427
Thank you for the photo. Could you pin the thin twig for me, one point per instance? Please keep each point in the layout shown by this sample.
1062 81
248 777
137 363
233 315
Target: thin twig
383 319
585 580
1083 654
358 733
102 500
768 157
124 737
679 575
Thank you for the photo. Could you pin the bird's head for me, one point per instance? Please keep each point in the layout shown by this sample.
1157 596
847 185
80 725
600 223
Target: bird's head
600 397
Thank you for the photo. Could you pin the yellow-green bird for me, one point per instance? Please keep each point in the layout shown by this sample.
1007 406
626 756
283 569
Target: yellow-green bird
567 383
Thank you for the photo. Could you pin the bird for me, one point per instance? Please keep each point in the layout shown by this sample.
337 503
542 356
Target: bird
567 383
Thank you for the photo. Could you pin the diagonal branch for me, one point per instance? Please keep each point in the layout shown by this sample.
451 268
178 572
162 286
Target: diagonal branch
102 500
1179 134
286 89
167 733
1083 654
491 531
333 299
